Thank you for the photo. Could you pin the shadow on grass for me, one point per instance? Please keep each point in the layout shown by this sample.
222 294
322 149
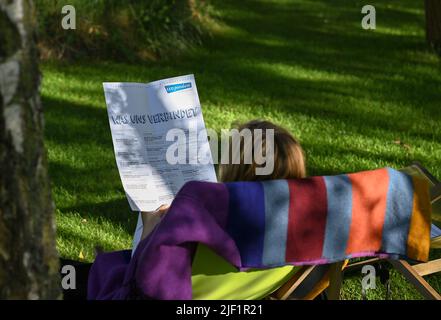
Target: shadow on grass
89 175
69 122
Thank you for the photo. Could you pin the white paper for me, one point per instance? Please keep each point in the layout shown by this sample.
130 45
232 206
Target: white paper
140 115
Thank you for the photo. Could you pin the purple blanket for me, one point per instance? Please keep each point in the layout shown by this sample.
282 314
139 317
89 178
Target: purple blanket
161 265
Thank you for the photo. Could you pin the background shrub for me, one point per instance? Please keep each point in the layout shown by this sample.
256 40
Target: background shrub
121 30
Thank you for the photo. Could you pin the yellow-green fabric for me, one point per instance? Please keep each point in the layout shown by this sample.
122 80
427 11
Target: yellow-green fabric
213 278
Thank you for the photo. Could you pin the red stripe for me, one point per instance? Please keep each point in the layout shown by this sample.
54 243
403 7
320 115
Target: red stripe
307 219
368 210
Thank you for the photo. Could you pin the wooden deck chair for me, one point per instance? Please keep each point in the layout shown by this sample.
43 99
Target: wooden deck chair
415 273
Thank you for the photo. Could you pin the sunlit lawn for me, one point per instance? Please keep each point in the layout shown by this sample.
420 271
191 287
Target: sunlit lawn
356 99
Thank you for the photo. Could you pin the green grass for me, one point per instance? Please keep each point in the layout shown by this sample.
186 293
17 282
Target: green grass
346 93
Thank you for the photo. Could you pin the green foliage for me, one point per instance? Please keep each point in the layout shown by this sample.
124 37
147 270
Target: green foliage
356 100
121 30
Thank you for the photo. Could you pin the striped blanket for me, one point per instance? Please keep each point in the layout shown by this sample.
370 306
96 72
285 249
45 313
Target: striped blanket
323 219
314 220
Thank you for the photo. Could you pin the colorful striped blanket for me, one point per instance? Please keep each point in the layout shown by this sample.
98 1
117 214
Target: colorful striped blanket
314 220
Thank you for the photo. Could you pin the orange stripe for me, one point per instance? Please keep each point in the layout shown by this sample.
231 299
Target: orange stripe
418 242
369 190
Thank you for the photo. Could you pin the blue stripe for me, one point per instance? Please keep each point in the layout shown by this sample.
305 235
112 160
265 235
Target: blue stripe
338 223
399 208
246 220
276 221
435 231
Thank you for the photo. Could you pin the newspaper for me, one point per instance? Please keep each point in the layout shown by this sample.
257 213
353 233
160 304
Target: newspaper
159 139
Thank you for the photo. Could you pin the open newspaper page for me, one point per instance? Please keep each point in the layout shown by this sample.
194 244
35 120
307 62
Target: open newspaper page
159 138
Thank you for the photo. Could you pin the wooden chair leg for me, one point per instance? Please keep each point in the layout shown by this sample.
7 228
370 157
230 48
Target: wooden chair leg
427 268
415 279
335 280
285 291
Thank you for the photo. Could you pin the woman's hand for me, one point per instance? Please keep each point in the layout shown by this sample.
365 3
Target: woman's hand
151 218
162 210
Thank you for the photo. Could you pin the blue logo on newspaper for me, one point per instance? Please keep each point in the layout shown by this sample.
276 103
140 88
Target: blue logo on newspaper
178 87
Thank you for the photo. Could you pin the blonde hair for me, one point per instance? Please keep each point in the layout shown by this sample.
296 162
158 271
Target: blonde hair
289 159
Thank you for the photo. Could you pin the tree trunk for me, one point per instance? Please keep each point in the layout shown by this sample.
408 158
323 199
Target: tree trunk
433 23
28 257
